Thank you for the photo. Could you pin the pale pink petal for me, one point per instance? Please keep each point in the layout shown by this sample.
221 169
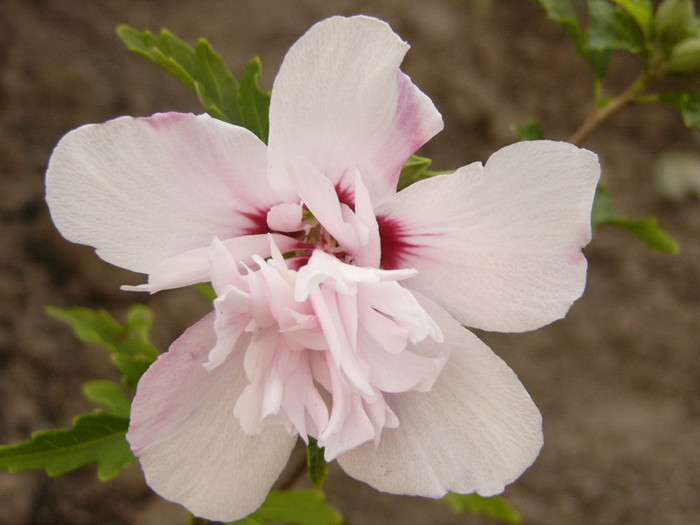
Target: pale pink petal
319 195
498 246
340 100
357 428
326 308
192 267
190 445
285 217
302 402
370 253
476 430
403 371
323 267
143 190
258 399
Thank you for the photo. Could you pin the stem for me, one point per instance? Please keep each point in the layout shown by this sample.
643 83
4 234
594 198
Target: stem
599 116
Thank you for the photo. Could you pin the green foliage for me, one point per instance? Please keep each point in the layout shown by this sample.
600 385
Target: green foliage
642 12
206 291
413 170
254 103
530 131
688 103
94 438
108 395
203 71
684 58
494 507
562 12
297 507
673 20
318 468
612 28
625 25
647 230
129 345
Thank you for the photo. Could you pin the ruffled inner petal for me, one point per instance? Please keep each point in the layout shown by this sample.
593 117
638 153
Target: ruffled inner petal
475 430
311 364
190 446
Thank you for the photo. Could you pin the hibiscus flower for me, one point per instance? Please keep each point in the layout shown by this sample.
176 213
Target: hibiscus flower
340 301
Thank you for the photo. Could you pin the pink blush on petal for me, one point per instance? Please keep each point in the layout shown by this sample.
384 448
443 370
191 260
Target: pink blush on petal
159 119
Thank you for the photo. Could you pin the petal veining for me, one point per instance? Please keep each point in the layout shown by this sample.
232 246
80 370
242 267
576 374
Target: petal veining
476 430
190 446
143 190
340 100
511 233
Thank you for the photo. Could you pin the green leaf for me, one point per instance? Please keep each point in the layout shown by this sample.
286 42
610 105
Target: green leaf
129 345
203 71
254 102
318 468
674 21
646 230
611 28
109 395
413 170
598 62
297 507
94 438
602 211
495 507
530 131
206 291
562 12
642 12
688 104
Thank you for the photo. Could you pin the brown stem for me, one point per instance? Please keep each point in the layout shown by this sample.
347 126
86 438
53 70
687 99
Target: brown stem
599 116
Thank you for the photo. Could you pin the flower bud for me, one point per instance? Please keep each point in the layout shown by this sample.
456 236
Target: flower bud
685 57
672 20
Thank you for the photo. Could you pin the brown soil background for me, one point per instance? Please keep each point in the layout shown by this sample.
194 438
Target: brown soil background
618 381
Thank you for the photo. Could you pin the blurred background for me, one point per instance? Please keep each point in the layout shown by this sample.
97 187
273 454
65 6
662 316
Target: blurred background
617 381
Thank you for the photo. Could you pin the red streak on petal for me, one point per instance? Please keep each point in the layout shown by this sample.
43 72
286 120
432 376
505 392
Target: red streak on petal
346 194
395 244
258 219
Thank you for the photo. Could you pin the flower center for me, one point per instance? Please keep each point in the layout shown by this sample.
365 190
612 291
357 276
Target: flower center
323 345
308 230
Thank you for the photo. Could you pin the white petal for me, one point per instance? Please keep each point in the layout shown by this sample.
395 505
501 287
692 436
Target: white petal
285 217
190 445
475 431
400 372
320 197
340 100
193 266
498 246
142 190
